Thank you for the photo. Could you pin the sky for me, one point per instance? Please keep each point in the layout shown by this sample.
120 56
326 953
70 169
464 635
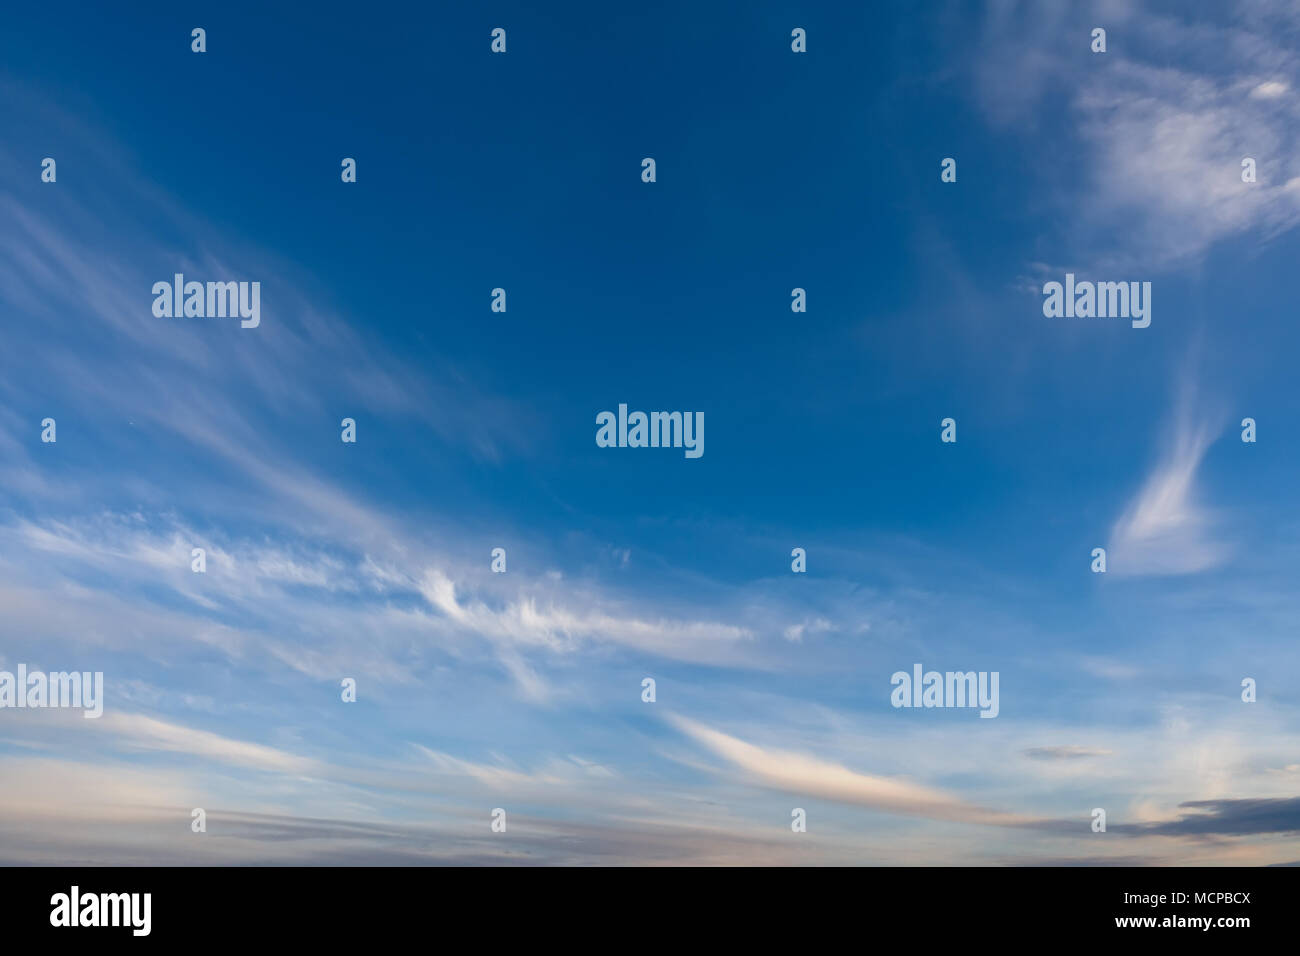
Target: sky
475 429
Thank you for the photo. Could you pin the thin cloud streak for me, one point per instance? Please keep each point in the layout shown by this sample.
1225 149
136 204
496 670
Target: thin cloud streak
813 777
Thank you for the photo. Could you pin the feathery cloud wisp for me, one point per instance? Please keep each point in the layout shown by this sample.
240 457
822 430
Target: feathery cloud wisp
814 777
1165 530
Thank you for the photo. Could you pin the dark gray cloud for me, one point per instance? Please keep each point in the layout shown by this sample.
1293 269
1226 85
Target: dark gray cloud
1226 818
1064 752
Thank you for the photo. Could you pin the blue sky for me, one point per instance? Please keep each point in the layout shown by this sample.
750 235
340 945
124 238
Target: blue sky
476 429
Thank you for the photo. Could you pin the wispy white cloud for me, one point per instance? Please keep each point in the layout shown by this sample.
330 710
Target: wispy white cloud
141 732
1166 529
525 622
1165 117
817 625
813 777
